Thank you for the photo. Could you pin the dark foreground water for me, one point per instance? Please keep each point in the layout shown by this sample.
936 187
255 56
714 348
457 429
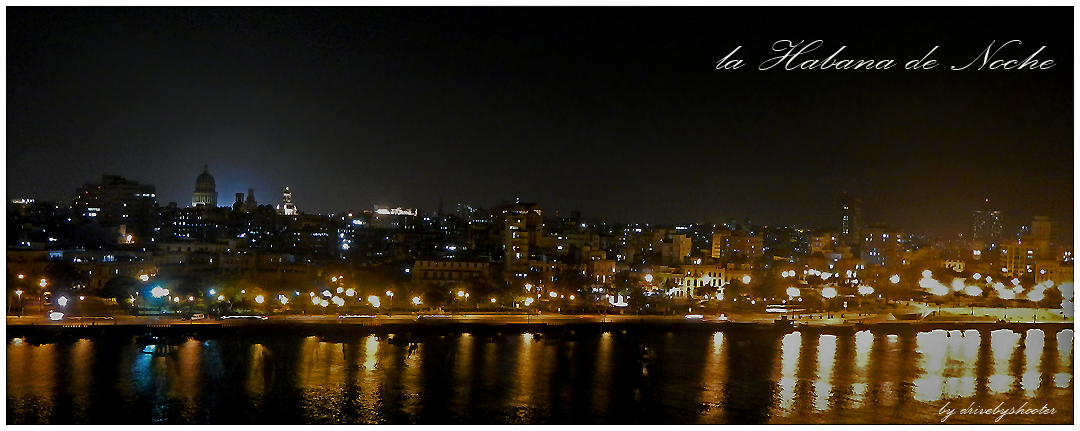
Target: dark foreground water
644 376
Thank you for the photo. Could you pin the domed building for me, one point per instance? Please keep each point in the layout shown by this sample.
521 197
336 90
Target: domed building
205 190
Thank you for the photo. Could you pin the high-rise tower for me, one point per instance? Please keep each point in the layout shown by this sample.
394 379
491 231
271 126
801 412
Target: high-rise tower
986 225
851 225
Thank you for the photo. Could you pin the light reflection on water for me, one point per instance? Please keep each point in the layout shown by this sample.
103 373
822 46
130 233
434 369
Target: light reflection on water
623 377
790 347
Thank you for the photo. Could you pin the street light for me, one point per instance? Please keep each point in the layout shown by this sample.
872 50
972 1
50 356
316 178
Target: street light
391 295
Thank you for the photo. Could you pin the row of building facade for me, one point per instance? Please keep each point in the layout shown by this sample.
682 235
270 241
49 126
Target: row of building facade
116 227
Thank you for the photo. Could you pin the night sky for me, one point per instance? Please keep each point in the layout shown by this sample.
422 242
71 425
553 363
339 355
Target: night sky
619 113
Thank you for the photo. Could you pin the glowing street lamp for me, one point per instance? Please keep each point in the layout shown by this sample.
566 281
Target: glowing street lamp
43 283
62 301
144 277
259 299
391 295
896 278
416 300
746 279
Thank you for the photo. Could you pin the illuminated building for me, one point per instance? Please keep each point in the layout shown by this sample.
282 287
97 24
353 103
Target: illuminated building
823 243
1033 252
287 207
690 279
523 229
731 245
444 271
116 202
205 190
881 246
675 250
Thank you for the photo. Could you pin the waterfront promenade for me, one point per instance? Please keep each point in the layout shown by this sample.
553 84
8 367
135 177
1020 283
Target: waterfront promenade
915 314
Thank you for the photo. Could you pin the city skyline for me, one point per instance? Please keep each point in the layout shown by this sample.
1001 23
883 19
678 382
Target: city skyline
618 113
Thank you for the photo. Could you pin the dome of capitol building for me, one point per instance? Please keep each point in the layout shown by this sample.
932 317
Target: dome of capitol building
205 189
